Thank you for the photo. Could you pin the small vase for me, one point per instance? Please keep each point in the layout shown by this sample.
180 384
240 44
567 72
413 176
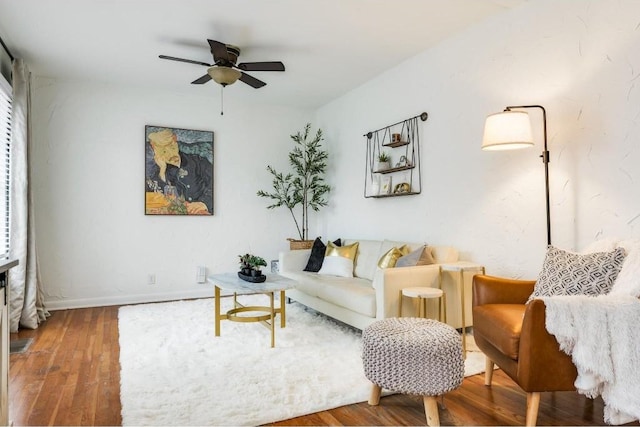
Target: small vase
382 166
256 273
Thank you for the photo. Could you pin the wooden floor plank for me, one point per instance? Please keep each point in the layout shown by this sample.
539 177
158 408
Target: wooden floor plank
71 376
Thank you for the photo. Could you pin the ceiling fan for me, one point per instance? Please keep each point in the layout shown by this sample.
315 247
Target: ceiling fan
224 70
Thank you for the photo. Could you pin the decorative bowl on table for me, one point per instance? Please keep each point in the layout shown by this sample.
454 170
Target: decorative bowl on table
253 279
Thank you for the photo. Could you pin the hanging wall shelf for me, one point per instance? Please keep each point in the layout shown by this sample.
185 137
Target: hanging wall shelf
400 175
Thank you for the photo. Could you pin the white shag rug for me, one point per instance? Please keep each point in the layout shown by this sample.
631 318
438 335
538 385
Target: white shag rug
174 371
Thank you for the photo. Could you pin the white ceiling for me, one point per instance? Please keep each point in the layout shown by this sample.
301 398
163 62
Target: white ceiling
327 46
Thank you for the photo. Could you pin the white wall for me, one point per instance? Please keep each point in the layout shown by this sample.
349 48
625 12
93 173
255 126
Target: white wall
95 244
579 59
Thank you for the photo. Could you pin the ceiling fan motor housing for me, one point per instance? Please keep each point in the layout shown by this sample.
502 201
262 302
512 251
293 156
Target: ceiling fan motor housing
234 52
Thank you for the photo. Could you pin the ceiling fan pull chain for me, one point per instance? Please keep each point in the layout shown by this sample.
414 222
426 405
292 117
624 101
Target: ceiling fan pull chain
221 100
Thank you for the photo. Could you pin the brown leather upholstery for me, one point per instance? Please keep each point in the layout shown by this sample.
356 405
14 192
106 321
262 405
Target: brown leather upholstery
512 335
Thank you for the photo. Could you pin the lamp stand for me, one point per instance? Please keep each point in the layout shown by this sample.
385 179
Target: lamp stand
545 160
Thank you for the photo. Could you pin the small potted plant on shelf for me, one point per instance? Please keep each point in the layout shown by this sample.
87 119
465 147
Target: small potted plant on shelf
250 268
383 161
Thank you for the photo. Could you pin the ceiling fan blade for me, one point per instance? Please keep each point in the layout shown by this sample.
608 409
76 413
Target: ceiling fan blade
173 58
262 66
201 80
251 81
219 51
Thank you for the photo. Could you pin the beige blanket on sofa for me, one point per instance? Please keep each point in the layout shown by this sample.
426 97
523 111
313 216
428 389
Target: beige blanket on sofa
601 335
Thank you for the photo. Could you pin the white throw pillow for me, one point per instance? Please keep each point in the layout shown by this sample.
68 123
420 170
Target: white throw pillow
628 281
337 266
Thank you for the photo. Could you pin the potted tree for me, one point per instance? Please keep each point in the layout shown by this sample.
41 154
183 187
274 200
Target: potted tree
304 186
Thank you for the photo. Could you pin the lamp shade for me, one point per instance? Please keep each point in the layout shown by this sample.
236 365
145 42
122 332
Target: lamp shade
507 130
224 75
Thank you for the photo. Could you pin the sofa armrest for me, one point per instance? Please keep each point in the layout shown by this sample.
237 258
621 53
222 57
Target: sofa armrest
497 290
294 261
540 352
389 282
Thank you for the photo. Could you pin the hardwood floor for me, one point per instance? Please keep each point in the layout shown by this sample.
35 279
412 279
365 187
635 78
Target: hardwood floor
70 375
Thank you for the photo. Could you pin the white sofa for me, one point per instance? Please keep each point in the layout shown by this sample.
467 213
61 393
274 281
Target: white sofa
372 293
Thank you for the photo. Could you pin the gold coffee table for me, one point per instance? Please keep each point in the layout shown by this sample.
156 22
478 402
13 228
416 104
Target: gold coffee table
230 282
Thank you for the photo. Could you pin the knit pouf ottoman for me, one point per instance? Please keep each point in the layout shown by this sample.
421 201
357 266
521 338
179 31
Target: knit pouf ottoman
413 356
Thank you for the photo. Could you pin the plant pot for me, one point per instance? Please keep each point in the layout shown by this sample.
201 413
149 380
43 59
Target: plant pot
252 279
246 271
382 166
299 244
255 273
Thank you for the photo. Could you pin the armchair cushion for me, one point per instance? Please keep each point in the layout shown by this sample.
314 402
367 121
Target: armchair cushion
500 325
568 273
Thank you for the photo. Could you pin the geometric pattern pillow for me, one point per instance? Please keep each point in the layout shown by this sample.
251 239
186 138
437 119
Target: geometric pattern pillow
568 273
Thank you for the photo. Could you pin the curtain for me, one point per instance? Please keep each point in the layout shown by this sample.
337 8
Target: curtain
26 302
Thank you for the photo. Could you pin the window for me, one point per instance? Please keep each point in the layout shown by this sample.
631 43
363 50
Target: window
5 157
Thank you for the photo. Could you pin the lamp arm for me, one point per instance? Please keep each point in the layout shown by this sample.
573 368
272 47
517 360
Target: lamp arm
545 160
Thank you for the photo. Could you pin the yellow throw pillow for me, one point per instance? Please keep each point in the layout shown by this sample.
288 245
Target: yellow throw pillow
389 259
349 251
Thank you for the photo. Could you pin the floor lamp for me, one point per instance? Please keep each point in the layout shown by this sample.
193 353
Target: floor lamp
511 130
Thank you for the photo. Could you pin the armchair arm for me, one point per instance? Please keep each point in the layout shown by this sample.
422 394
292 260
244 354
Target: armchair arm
389 282
294 261
542 366
497 290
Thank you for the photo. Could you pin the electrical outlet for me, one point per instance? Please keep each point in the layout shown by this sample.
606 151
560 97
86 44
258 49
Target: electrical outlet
151 279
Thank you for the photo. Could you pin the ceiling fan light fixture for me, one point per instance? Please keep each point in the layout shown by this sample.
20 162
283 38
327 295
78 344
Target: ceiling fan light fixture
224 75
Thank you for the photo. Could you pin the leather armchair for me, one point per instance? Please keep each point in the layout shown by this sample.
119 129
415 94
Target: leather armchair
513 336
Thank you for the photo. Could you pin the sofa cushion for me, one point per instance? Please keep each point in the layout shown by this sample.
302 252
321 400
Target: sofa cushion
354 294
568 273
444 254
367 258
309 282
500 325
388 244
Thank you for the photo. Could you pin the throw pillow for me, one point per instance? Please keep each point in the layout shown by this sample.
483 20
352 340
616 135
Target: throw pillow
339 260
314 263
337 266
389 259
349 251
421 256
568 273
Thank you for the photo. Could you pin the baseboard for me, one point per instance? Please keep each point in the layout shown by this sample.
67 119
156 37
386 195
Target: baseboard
127 299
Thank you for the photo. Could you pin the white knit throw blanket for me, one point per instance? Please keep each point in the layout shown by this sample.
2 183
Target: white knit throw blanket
601 334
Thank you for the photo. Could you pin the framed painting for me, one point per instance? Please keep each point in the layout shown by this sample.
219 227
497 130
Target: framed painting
178 171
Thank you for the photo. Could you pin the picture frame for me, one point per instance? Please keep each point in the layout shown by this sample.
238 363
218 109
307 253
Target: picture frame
178 171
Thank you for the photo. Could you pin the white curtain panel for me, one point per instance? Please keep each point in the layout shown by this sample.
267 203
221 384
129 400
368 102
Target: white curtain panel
26 305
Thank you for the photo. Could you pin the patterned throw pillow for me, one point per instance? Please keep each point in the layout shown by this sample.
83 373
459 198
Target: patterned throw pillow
568 273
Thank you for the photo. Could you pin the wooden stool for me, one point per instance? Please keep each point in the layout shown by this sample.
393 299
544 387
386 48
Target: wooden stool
423 294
